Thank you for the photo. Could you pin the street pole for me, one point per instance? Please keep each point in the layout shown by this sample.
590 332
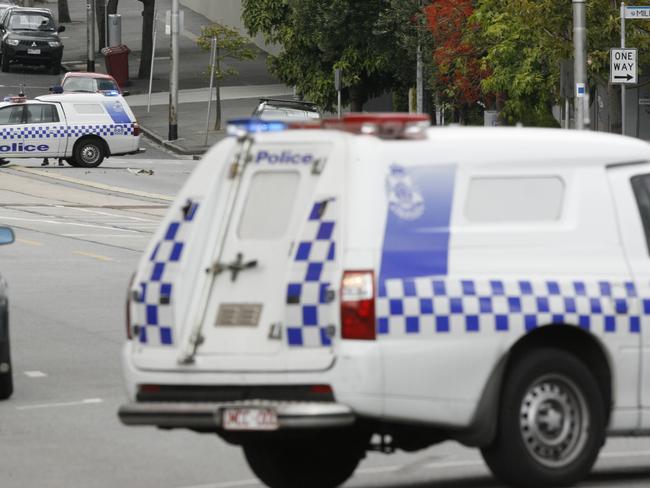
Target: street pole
90 34
419 67
153 56
213 55
580 61
173 77
623 86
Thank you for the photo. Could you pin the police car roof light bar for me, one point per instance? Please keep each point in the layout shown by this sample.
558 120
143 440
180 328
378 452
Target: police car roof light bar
253 125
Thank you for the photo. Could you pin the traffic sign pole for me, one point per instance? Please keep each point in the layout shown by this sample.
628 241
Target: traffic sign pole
580 64
622 86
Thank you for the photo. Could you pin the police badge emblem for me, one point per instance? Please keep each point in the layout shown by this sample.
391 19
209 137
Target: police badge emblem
404 198
118 130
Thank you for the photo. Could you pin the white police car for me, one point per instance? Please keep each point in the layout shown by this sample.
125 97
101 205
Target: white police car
81 128
376 284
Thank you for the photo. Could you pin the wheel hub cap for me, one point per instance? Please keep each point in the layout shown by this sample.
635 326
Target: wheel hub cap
89 154
554 421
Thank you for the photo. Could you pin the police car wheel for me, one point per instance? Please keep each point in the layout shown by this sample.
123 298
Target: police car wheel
89 153
314 463
551 421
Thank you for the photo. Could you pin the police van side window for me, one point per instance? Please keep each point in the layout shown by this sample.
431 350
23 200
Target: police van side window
641 187
514 199
11 115
88 109
41 114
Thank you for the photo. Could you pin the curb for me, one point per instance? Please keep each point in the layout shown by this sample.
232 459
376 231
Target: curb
175 148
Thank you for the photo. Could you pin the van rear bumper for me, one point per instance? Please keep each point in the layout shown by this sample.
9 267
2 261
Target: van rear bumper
208 416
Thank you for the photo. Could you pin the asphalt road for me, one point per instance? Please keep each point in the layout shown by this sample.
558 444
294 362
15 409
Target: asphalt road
78 240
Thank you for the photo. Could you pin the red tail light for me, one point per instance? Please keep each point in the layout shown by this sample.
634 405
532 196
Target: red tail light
358 305
136 129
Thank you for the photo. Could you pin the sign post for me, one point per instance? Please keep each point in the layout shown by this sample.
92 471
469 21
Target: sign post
627 66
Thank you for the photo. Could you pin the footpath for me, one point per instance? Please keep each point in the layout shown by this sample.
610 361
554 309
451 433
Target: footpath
238 98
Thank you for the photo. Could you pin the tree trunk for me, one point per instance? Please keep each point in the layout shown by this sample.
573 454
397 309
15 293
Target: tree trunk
217 122
64 12
112 6
147 38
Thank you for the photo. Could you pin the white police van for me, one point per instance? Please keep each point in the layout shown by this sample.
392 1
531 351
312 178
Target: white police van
374 283
82 128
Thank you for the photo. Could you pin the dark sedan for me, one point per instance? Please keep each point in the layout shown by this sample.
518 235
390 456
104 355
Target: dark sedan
6 378
30 36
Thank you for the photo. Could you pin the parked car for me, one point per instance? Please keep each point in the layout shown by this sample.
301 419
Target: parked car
6 377
90 83
286 110
29 36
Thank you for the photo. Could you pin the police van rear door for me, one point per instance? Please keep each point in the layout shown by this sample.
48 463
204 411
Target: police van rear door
269 303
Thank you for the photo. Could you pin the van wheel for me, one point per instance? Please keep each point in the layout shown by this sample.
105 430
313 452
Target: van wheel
551 422
89 152
6 374
312 463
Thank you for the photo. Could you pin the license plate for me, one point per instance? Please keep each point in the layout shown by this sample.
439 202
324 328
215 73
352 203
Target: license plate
249 419
33 51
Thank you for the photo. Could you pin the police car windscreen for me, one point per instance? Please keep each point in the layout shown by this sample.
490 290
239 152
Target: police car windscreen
31 21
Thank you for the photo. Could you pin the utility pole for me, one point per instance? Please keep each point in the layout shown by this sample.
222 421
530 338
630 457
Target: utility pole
173 77
419 67
90 34
580 62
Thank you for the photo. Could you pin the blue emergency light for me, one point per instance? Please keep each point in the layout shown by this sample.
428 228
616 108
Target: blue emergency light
110 93
252 125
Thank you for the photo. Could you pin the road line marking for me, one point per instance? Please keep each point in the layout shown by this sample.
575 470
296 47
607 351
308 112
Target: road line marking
31 243
94 256
91 184
106 235
228 484
35 374
76 224
87 401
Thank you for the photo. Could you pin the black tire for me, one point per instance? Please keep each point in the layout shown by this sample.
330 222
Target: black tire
551 422
313 463
71 162
6 373
89 152
5 63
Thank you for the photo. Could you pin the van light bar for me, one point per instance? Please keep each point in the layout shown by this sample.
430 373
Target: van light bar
252 125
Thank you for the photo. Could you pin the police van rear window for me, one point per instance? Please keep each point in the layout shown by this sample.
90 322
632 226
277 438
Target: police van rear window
268 205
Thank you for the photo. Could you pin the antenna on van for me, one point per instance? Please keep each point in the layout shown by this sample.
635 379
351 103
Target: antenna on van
21 93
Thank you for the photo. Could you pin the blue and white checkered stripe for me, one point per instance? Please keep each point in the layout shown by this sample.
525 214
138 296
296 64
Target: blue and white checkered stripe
309 307
425 306
154 316
53 132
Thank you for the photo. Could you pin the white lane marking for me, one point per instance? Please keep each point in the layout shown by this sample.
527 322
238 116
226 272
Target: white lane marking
228 484
622 454
77 224
35 374
112 215
87 401
105 235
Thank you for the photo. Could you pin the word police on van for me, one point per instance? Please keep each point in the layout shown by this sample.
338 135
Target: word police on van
81 128
407 286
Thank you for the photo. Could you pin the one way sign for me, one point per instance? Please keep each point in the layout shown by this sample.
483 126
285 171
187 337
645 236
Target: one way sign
623 66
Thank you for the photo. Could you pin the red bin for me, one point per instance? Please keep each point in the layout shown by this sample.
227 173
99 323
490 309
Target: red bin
117 63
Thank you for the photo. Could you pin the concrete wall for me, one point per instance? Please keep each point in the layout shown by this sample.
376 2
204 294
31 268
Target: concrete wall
226 12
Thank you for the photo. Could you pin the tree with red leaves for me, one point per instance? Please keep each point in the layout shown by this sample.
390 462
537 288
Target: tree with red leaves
457 62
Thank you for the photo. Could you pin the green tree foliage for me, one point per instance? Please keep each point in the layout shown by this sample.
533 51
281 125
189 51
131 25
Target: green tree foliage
230 45
359 37
523 42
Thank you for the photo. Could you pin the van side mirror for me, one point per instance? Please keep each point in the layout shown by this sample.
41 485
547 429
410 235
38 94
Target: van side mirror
61 28
56 89
6 235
